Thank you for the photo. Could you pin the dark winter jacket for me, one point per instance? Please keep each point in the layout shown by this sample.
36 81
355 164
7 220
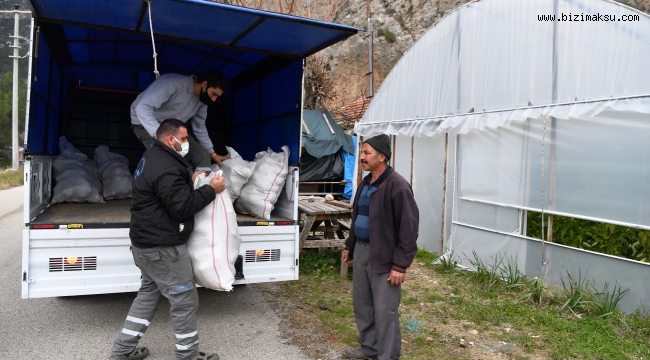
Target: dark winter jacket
394 221
163 199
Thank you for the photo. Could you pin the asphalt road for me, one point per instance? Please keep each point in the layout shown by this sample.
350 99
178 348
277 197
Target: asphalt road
237 325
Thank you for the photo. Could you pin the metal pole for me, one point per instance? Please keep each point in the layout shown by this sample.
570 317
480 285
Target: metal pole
370 41
29 83
14 105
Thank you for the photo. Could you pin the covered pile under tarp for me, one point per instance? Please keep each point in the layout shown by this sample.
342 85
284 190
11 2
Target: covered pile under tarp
323 137
326 144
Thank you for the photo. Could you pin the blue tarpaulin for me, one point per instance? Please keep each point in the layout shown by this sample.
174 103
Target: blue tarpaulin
348 170
203 22
107 44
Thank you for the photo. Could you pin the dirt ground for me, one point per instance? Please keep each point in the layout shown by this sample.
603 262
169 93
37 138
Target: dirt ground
301 326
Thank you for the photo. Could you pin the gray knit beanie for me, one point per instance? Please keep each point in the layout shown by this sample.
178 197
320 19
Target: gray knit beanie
380 143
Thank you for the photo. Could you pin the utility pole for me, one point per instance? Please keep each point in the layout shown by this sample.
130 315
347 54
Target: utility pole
370 49
14 99
371 86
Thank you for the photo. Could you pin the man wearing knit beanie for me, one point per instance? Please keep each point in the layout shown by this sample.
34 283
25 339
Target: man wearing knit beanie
382 242
380 143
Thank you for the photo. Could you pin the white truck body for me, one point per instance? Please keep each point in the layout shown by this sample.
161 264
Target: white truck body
103 260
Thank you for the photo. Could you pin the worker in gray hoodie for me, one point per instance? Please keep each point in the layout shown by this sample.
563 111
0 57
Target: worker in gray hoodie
174 96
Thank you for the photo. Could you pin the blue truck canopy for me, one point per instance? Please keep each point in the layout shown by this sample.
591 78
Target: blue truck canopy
106 44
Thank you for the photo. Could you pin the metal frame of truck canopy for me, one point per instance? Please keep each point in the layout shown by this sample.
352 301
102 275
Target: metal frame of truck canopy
91 58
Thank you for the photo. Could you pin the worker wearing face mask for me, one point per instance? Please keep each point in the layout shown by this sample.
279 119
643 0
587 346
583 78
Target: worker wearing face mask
162 218
184 98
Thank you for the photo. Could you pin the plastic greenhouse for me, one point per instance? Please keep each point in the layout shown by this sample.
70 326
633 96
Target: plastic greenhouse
495 112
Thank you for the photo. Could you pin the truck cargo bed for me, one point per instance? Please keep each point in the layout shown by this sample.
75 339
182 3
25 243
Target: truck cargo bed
114 214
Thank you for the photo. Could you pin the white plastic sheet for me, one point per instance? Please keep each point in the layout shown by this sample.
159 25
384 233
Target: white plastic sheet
496 56
596 167
402 156
429 189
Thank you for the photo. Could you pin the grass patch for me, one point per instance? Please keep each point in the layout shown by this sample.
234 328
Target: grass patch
11 178
426 257
606 301
448 262
327 264
576 292
513 316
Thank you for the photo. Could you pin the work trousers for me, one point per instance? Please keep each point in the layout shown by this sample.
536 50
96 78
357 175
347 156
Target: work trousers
197 156
166 272
376 305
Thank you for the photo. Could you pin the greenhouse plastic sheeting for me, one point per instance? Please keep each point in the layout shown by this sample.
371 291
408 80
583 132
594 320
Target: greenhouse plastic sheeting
402 155
457 70
596 167
429 189
450 189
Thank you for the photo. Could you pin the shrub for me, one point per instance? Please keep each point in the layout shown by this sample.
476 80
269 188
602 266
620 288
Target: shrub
389 36
594 236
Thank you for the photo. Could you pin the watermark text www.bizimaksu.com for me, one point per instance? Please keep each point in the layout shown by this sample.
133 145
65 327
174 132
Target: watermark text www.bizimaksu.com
588 17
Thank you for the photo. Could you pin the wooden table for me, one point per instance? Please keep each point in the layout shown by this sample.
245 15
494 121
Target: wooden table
329 217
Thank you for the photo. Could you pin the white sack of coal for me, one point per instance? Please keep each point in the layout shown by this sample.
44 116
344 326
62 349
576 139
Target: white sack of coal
214 243
261 192
236 172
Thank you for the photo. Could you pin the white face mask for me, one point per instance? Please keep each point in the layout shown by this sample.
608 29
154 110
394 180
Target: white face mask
185 147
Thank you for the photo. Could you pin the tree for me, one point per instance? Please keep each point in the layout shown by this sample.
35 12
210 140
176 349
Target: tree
6 86
319 86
